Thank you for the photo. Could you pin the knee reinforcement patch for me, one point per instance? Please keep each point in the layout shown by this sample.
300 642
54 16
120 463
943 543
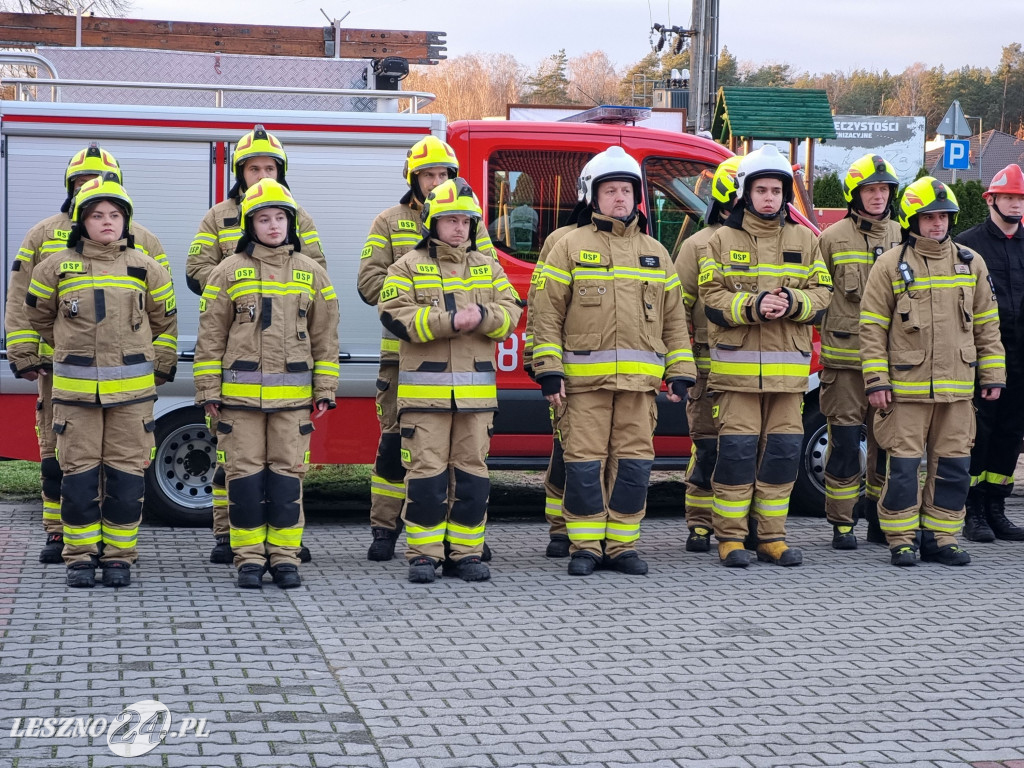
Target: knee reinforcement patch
247 500
426 500
283 494
704 462
556 473
79 497
629 493
903 483
781 461
51 475
952 482
844 452
737 464
122 504
583 491
219 479
389 458
471 492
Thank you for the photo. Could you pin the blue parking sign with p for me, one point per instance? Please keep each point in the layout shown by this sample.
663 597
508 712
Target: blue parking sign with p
957 154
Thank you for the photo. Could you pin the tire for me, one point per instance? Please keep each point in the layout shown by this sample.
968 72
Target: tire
809 492
179 488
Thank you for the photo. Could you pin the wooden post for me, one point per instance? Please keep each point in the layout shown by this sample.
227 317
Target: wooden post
809 170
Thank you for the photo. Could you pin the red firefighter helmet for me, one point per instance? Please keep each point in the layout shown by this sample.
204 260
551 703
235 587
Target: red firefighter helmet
1009 181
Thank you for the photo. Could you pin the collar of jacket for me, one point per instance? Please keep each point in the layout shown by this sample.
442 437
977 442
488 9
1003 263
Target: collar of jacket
275 256
444 252
412 201
931 249
758 227
93 250
997 233
872 226
616 227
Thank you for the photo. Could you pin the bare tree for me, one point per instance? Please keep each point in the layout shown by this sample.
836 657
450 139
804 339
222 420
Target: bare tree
910 89
66 7
470 87
593 79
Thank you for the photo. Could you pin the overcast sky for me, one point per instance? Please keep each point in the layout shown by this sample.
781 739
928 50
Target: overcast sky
813 35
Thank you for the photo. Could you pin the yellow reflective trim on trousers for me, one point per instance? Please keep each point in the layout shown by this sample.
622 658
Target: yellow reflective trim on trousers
994 478
91 386
910 523
625 532
248 537
700 500
611 369
771 507
730 508
945 526
229 389
390 345
77 535
121 538
464 535
431 392
841 493
284 537
381 487
417 536
552 506
220 497
51 510
585 530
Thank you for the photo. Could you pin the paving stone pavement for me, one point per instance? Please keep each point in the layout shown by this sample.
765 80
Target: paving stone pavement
844 661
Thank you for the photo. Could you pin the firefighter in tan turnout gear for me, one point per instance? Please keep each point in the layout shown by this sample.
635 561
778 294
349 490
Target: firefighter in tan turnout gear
609 326
30 358
267 356
554 477
108 312
763 290
849 248
449 305
394 233
692 255
929 326
258 155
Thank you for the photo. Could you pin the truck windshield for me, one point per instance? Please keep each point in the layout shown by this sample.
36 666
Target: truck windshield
677 197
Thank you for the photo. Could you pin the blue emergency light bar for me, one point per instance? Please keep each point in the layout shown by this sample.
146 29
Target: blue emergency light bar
609 114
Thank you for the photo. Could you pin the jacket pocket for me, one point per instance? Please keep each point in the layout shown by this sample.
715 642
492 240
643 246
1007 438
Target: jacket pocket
432 366
483 366
966 307
582 342
883 428
70 305
970 356
245 309
302 320
727 338
850 283
908 314
651 301
138 311
842 327
905 359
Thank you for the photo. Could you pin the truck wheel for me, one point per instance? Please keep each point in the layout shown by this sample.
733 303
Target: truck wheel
179 488
809 492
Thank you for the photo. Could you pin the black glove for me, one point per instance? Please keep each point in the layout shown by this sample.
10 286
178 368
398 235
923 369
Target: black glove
550 384
678 387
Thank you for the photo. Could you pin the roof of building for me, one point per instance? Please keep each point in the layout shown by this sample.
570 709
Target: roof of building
997 150
772 113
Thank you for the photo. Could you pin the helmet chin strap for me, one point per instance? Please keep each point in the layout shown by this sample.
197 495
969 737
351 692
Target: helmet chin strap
749 205
1004 217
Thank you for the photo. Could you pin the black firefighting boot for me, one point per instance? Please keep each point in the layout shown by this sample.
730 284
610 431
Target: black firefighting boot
629 563
558 546
304 555
779 553
995 514
116 574
82 574
286 575
976 525
750 543
843 537
383 546
470 568
486 556
950 554
422 570
221 552
250 576
868 510
582 564
699 539
903 556
53 549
